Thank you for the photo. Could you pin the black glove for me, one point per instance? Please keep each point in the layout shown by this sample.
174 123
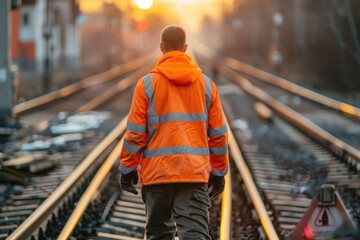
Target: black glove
128 182
216 185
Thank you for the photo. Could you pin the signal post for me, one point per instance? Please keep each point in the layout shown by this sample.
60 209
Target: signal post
6 85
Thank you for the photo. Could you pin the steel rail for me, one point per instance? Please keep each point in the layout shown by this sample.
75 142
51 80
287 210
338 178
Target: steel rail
41 213
112 92
226 196
94 185
281 82
226 204
225 225
294 88
85 83
336 145
226 208
251 188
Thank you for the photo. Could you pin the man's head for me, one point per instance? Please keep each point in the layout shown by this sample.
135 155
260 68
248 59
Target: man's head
172 38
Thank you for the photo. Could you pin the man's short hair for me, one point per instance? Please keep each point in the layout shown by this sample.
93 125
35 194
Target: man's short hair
173 38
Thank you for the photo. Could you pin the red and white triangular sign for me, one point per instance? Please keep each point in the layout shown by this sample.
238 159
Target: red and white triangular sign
324 218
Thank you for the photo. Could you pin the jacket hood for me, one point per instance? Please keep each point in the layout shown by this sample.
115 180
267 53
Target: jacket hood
178 68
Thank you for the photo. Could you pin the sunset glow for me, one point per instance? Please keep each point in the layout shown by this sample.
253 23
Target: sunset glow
144 4
90 6
187 12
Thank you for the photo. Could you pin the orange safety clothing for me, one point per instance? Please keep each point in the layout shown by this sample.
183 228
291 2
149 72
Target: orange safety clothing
176 127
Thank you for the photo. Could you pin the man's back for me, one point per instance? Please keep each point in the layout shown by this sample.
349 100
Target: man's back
177 133
177 122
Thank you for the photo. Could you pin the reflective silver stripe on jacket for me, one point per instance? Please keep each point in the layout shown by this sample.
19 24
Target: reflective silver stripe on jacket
218 172
219 151
131 148
125 170
207 93
176 150
177 117
149 92
136 127
154 119
217 131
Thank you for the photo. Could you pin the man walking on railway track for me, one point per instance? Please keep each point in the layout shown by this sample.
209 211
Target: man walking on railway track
177 136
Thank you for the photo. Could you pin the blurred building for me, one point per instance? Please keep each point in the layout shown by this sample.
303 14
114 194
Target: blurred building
45 29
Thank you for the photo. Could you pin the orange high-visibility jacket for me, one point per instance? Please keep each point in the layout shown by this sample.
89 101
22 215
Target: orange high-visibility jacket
176 127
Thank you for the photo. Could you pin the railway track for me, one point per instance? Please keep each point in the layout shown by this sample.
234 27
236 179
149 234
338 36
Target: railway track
104 211
277 167
45 171
289 155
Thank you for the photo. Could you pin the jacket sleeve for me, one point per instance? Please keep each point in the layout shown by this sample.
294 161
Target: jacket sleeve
136 131
217 135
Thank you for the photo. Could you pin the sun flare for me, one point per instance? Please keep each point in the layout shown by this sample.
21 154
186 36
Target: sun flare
186 12
144 4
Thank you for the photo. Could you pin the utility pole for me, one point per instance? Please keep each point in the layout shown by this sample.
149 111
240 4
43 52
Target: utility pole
47 34
109 6
6 85
276 55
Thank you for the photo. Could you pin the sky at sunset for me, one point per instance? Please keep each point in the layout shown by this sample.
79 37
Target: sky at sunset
187 12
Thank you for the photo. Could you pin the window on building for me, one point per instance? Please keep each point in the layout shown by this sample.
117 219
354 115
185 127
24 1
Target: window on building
25 19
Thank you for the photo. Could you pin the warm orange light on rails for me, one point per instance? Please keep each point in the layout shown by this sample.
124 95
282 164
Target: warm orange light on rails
347 108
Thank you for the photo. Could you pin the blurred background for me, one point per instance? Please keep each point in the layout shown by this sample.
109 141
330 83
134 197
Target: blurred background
314 43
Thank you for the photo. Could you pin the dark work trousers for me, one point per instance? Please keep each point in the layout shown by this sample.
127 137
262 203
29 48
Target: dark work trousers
177 207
